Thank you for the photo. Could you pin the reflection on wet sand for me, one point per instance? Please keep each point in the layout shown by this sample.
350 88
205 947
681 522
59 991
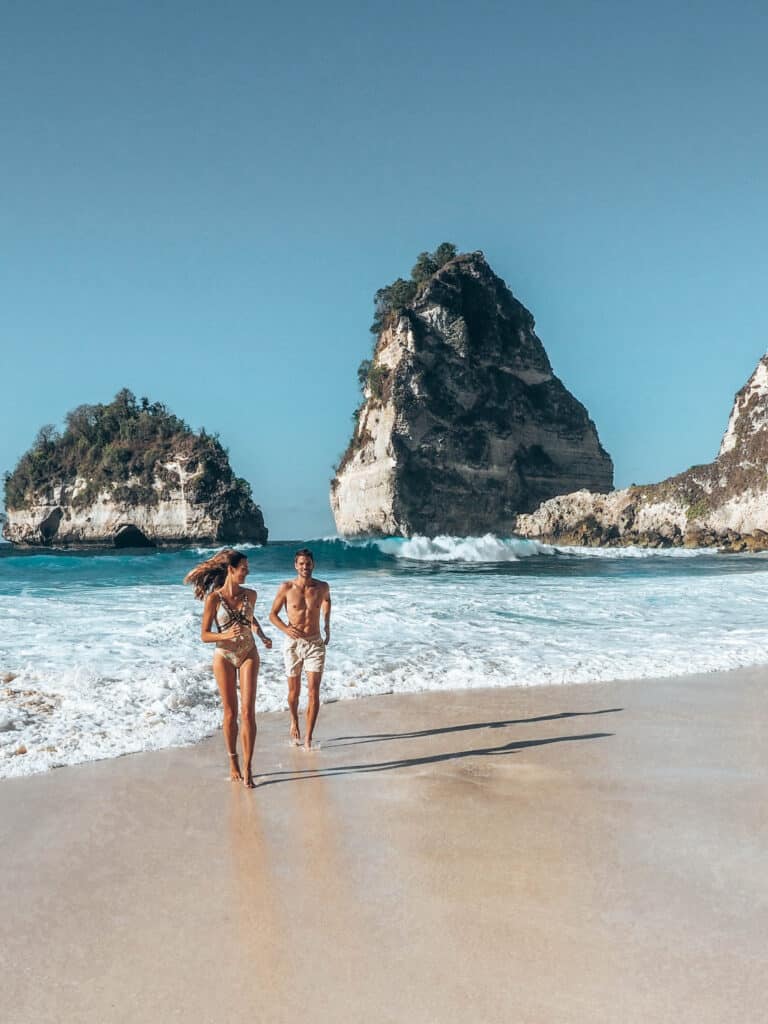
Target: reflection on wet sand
257 907
292 883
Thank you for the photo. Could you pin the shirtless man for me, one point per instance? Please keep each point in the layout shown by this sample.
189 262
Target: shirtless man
303 600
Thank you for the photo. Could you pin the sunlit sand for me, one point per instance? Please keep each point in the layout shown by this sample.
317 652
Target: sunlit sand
589 854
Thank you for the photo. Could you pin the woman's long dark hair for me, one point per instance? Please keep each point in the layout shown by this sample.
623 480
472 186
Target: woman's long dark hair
212 573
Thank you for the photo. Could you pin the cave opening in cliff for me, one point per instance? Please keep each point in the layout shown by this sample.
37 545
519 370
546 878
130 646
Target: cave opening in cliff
130 536
50 525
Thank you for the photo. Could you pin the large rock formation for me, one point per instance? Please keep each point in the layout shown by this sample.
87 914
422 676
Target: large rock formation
129 475
723 504
463 424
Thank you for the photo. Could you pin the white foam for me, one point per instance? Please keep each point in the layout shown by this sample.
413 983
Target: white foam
104 670
210 552
630 551
488 548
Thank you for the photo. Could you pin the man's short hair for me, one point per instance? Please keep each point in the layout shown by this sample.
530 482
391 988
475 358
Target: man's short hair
304 553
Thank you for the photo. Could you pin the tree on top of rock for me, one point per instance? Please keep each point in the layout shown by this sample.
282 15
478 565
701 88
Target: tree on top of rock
396 296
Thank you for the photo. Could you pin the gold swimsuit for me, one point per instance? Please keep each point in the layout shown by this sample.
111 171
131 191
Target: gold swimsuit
244 647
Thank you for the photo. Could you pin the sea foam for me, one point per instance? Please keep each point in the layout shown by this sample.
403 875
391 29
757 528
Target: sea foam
106 656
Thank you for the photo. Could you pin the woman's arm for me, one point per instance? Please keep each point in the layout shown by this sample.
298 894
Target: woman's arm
255 625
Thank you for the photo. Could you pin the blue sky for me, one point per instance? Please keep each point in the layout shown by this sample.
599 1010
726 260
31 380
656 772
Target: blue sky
198 201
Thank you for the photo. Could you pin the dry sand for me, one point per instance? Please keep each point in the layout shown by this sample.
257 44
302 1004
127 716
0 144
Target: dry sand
592 853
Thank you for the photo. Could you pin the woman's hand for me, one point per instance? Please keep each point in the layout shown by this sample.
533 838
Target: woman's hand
233 633
266 640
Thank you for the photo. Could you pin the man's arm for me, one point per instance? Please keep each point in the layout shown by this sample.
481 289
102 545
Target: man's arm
325 610
274 617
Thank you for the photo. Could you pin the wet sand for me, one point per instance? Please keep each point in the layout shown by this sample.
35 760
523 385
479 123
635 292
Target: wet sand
591 853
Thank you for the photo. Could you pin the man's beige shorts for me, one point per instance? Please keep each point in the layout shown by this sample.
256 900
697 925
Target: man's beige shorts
311 652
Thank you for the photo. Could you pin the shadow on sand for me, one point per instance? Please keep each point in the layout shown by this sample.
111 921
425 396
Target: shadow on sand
351 741
302 774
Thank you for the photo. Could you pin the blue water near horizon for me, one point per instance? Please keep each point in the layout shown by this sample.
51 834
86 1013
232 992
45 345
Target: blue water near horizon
105 653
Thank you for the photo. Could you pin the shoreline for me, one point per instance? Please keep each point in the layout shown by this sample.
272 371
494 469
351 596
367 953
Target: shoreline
9 678
141 679
263 716
579 853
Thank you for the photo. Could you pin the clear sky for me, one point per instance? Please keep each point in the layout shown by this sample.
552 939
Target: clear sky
198 201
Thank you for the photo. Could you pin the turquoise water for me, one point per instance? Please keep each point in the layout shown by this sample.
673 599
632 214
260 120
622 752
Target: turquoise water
105 652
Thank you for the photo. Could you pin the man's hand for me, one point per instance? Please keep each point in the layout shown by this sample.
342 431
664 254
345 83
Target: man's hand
327 637
295 634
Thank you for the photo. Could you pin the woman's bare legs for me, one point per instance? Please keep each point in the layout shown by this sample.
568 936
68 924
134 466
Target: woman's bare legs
225 675
249 674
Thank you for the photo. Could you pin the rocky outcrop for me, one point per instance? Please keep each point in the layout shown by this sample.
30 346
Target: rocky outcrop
128 475
723 504
463 423
177 517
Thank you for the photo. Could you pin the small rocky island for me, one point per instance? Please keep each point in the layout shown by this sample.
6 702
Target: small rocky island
722 504
128 474
463 424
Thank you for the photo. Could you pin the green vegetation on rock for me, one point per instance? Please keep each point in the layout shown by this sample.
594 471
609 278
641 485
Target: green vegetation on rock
393 298
390 301
697 509
122 448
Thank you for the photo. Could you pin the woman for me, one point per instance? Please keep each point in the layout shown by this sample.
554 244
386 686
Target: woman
230 605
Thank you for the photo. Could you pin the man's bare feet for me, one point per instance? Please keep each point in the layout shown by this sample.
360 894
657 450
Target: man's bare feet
295 732
235 775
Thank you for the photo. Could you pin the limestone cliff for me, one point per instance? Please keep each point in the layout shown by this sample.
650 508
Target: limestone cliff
129 474
463 423
722 504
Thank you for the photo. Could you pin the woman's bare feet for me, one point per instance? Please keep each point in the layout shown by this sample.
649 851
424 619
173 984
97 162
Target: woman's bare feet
248 780
235 775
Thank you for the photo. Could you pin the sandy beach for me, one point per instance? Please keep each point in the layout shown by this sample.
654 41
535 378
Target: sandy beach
552 854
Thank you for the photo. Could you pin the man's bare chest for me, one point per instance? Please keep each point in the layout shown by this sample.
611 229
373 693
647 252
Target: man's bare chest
307 599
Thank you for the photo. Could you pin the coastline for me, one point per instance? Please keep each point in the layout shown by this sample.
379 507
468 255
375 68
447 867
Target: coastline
583 853
528 615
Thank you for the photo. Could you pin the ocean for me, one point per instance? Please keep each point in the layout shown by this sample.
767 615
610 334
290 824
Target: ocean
100 653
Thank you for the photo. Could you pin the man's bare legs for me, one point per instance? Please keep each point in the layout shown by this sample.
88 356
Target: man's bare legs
249 674
294 690
225 675
313 705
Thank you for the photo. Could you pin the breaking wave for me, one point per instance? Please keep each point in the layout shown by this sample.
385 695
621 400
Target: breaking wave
101 655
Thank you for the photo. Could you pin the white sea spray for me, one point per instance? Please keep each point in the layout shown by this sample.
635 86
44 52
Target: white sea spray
105 654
